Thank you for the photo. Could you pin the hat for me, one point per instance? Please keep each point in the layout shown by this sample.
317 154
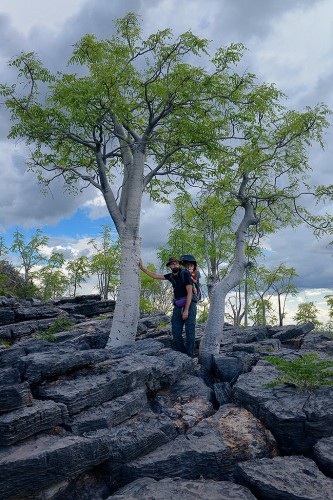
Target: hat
172 260
187 258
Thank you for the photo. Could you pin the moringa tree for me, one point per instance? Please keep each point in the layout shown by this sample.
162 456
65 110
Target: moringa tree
140 114
135 114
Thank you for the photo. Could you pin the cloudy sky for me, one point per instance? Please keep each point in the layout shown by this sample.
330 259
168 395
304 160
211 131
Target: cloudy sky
289 42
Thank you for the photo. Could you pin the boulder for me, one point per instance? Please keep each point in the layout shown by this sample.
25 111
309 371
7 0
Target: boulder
282 478
180 489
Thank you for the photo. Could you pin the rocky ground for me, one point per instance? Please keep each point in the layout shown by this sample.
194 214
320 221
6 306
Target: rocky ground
78 421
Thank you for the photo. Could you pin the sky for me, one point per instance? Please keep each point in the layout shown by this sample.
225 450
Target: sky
289 43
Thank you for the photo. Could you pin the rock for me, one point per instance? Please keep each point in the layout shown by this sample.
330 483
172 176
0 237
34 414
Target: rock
170 489
47 460
296 419
15 396
210 450
282 478
25 422
323 455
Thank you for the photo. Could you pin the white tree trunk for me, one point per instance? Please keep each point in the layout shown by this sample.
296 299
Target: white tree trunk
126 314
211 339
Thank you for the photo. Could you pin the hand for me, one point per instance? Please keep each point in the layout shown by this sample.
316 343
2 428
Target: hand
140 264
184 314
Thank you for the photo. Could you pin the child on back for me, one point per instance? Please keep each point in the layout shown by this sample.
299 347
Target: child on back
189 262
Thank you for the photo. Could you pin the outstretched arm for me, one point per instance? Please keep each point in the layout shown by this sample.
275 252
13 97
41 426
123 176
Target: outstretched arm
150 273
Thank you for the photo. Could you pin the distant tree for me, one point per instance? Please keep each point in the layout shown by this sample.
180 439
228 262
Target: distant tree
78 272
11 281
156 295
52 280
307 311
261 312
105 263
284 287
3 248
30 254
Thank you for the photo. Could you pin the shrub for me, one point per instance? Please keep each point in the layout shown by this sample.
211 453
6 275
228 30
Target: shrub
307 372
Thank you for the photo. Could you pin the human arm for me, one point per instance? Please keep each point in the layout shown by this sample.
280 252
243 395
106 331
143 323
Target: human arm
156 276
189 293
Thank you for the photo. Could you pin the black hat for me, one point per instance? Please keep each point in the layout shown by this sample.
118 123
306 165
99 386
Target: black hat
187 258
172 260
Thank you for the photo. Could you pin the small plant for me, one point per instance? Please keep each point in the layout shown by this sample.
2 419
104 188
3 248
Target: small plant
47 336
307 372
61 324
5 344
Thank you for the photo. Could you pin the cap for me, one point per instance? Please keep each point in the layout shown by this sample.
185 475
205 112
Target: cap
171 260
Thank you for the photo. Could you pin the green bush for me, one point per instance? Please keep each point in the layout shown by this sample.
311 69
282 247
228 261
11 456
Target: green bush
306 373
61 324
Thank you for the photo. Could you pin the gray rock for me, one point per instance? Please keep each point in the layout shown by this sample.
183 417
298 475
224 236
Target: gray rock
284 478
171 489
47 460
209 450
323 455
15 396
296 419
20 424
109 414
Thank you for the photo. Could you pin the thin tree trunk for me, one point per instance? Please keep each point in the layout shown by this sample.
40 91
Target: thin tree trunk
211 339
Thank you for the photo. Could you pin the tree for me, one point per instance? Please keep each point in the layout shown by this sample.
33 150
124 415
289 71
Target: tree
202 226
31 255
140 118
307 311
11 281
156 295
271 174
261 312
78 272
283 287
52 280
105 262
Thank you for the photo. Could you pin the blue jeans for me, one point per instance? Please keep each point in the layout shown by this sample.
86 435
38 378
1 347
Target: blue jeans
177 324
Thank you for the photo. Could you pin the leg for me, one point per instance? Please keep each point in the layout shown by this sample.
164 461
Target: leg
190 329
177 324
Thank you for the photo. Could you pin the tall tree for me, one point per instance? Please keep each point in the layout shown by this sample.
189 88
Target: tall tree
271 174
142 112
140 117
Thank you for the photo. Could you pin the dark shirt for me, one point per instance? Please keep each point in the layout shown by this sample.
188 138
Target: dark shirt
179 282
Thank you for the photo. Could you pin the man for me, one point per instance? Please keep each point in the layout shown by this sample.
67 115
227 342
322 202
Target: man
185 306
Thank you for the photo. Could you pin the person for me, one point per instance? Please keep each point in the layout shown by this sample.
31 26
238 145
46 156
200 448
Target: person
184 301
189 262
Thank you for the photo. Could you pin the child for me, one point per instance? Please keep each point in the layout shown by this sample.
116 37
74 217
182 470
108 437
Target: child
189 262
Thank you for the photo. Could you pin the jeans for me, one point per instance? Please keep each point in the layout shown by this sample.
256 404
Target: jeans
177 324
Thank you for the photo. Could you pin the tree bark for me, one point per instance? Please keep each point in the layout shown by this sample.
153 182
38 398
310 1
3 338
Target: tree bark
211 339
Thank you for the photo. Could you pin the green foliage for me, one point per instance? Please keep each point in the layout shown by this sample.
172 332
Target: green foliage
105 262
60 325
11 281
307 372
202 315
156 295
5 343
307 311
